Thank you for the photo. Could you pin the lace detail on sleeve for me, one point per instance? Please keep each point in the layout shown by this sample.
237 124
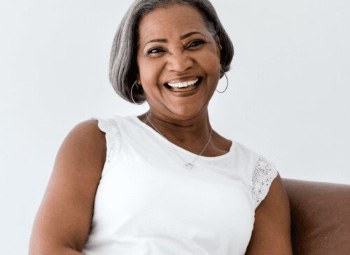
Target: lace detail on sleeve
109 127
263 175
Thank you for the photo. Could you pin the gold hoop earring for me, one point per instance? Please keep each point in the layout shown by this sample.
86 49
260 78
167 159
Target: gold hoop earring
223 91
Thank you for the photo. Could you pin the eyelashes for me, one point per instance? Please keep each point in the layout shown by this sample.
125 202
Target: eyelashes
154 51
192 45
195 43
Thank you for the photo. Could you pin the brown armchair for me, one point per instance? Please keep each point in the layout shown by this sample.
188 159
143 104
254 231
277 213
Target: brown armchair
320 217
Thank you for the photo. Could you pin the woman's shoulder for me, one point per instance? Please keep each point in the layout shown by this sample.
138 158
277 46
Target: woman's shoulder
246 152
261 171
115 123
87 131
85 140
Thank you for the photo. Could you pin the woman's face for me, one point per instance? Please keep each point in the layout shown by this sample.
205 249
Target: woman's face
178 61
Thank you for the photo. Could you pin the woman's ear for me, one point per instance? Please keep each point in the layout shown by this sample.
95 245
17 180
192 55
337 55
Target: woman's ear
219 47
138 80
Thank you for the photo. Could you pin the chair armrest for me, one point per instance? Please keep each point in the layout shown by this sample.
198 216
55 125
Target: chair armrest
320 217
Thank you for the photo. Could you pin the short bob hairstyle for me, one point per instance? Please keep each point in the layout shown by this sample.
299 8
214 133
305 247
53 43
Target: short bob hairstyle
123 67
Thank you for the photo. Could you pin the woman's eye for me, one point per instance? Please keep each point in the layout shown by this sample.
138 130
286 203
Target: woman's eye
155 51
195 43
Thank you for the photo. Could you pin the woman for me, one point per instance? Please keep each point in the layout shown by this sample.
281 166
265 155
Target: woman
164 182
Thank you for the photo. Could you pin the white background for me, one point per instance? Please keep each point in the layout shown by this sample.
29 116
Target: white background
288 97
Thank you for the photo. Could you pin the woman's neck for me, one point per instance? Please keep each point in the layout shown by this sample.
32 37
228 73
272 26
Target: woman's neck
191 134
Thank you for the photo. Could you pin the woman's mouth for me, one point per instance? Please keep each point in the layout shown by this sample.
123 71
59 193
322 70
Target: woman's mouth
184 85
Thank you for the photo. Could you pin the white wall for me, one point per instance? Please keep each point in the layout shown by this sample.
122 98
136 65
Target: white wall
288 94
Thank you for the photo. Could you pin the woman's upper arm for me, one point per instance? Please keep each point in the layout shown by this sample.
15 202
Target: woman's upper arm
271 234
64 217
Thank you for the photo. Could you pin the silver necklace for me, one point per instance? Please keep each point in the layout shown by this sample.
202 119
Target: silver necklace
188 164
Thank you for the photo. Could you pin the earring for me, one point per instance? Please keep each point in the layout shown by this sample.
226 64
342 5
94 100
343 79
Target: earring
223 91
131 91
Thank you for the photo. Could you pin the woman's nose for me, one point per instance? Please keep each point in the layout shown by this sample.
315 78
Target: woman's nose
179 61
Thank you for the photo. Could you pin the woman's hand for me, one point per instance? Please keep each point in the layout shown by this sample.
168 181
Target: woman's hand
64 218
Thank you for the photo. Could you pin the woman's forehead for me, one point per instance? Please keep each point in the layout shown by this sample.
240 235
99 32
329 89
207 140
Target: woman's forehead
176 18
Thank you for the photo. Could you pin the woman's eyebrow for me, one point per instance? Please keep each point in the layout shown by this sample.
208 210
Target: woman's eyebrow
189 34
163 40
157 40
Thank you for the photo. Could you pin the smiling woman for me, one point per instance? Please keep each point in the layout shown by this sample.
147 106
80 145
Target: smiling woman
164 182
179 66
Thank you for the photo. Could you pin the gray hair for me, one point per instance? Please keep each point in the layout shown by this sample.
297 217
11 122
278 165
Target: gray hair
123 67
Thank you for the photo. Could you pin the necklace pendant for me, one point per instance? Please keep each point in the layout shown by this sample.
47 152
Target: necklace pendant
189 165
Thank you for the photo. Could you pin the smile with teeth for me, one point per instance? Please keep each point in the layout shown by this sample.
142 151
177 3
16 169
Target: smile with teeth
184 84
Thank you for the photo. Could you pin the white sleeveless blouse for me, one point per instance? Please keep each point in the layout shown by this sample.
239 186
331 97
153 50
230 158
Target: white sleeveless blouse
148 203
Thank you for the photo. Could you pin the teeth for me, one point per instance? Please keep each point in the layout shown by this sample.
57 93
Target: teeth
183 84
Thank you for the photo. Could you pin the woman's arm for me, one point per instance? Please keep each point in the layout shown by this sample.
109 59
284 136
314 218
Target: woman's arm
271 234
63 221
